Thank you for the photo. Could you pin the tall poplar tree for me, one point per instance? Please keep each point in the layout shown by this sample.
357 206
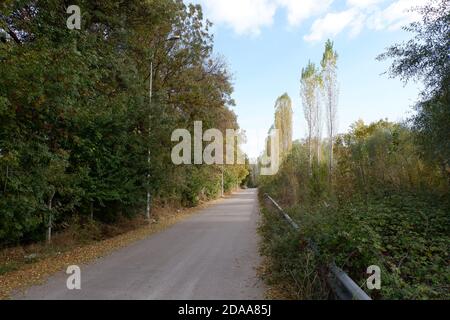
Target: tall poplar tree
309 90
330 92
283 122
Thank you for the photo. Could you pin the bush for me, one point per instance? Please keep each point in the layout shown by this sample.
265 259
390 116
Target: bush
384 206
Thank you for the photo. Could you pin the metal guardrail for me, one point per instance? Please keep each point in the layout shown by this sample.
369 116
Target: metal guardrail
342 285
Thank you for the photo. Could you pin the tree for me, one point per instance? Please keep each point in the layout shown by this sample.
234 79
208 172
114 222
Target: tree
283 122
74 110
309 88
426 57
330 93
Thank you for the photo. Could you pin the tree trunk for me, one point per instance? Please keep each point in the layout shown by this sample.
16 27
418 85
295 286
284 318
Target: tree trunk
318 151
331 160
331 154
6 179
310 152
50 218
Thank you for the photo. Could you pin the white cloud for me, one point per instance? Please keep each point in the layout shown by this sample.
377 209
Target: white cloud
250 16
395 16
357 24
334 23
365 13
363 3
243 16
300 10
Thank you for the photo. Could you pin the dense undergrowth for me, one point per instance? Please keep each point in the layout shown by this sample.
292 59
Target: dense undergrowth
384 207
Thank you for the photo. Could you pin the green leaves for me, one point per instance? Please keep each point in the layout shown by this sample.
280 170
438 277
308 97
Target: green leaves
74 110
425 57
386 208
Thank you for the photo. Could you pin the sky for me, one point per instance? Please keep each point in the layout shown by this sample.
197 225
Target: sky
266 43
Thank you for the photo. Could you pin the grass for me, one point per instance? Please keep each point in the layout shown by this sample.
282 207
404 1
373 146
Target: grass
290 270
8 267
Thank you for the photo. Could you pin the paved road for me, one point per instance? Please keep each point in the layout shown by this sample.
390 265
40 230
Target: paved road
211 255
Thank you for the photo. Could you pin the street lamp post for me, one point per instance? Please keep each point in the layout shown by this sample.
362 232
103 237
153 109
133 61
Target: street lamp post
147 211
149 196
222 181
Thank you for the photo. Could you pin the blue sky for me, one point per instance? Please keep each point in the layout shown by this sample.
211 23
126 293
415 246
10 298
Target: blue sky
267 42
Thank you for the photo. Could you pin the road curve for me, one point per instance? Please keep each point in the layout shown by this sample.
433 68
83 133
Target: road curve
211 255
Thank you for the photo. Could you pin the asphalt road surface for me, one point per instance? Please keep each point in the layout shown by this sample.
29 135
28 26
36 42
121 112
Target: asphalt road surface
210 255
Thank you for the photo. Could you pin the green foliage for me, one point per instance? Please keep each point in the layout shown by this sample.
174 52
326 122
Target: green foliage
283 122
294 269
432 126
330 56
74 109
406 234
387 201
425 57
385 207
